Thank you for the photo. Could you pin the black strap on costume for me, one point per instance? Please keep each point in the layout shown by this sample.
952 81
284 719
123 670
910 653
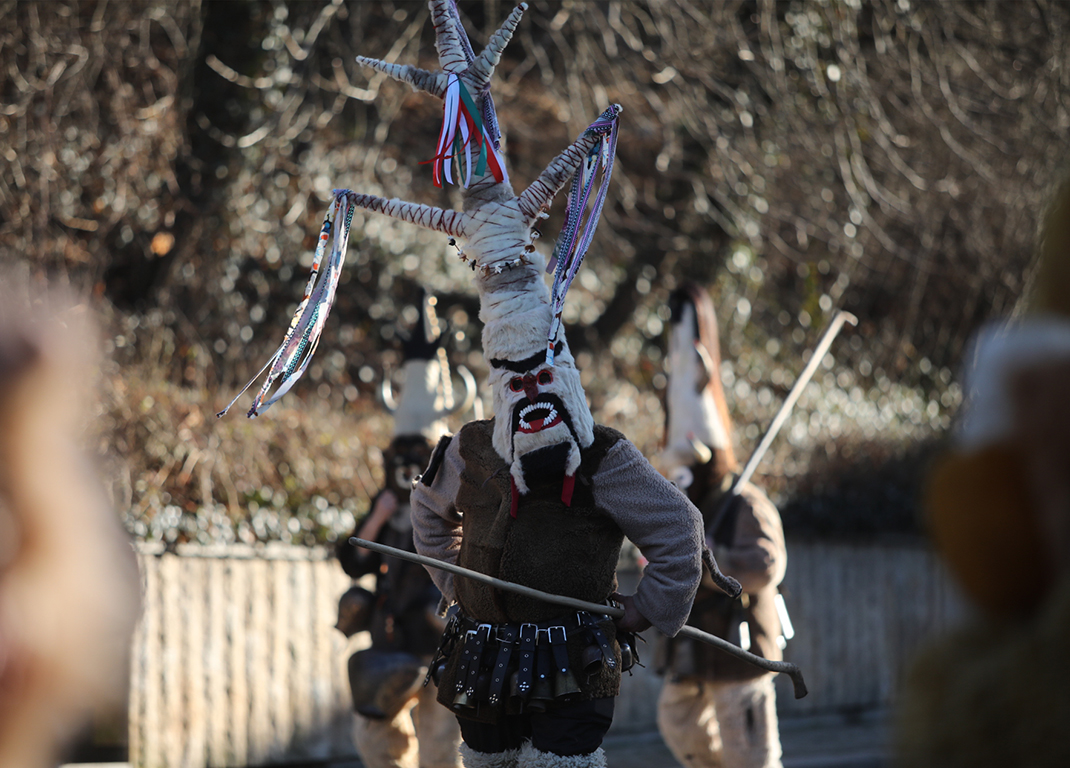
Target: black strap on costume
558 638
481 637
471 654
543 692
600 637
565 683
507 639
525 674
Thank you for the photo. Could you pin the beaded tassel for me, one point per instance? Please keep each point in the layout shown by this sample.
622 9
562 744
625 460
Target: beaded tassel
294 354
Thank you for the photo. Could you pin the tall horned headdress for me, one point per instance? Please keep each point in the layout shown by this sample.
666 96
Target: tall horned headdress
538 400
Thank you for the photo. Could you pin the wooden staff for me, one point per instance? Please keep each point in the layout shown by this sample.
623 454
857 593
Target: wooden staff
822 348
790 670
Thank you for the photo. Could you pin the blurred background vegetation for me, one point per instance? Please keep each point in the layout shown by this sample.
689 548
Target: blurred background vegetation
172 163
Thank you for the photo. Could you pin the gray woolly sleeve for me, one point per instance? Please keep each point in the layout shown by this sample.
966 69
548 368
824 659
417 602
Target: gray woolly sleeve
436 523
665 526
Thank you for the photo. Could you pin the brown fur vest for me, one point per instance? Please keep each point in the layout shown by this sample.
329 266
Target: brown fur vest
563 550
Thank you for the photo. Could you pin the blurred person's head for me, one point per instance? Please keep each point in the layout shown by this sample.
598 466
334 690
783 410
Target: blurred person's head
68 578
998 503
992 692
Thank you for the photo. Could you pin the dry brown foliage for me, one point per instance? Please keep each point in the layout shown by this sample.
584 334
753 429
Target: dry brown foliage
891 158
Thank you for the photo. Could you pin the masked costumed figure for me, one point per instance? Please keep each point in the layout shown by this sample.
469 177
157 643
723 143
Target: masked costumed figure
996 690
539 494
714 709
397 723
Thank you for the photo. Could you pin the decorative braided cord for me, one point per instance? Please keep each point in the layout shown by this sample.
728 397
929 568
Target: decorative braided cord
294 354
579 229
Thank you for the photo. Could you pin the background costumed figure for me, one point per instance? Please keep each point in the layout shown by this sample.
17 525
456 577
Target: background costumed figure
397 723
716 710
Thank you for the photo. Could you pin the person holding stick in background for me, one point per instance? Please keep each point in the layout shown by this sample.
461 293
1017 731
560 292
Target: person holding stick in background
716 710
397 722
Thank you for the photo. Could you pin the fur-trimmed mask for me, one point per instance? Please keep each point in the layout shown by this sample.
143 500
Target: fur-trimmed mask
542 419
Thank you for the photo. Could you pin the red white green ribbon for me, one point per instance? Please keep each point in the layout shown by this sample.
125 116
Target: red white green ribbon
464 129
293 356
578 230
486 135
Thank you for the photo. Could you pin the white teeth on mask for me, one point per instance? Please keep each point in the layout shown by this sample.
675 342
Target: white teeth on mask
550 416
528 409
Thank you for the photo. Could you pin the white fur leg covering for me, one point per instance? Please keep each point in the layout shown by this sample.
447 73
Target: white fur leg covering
534 758
472 759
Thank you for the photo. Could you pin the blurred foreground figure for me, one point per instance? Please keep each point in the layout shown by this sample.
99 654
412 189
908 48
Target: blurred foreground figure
398 723
997 691
68 577
716 710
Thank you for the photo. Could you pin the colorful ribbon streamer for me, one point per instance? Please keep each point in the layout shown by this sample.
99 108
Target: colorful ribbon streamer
293 356
578 231
463 128
463 125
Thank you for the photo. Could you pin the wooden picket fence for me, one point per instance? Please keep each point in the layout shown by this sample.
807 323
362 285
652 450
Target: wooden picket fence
861 612
236 661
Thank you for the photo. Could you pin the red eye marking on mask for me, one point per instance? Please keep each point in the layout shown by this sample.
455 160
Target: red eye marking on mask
527 382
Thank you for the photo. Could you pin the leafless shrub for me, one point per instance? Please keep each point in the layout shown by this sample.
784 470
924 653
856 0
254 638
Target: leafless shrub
891 158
